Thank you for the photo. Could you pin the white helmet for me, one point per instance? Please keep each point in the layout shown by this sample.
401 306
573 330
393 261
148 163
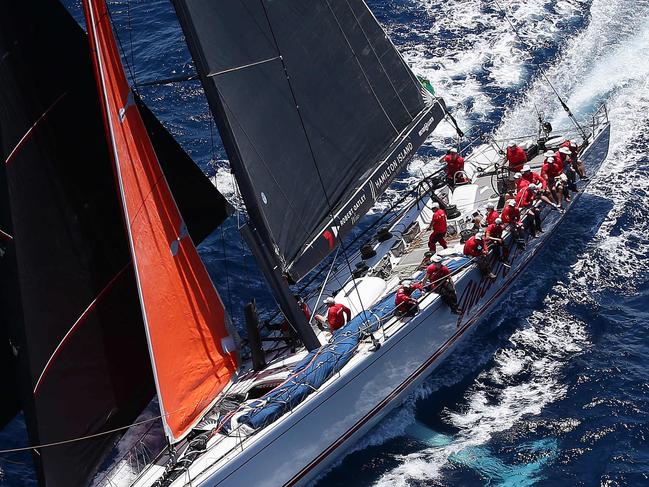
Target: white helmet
329 300
436 258
511 144
527 168
550 160
452 150
511 203
490 205
564 150
498 221
435 205
518 175
548 153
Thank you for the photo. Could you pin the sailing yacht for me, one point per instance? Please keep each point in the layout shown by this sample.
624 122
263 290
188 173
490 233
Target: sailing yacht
307 92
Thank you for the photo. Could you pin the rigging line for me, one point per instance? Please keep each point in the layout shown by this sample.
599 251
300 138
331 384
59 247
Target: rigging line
130 38
225 256
122 50
324 284
28 135
308 140
81 438
527 46
167 81
369 43
360 66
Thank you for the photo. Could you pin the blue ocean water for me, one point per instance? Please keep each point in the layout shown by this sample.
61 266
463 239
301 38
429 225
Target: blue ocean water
554 387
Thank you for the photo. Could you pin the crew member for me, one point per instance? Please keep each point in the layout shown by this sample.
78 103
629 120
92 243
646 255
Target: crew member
563 157
438 278
337 314
525 200
454 164
476 247
438 226
550 172
405 304
520 181
511 217
492 214
516 157
494 236
577 163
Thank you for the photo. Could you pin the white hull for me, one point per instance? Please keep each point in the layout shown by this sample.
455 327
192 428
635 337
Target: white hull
301 444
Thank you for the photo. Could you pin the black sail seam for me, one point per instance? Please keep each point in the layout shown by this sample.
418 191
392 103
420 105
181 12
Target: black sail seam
25 138
360 66
369 43
244 66
79 321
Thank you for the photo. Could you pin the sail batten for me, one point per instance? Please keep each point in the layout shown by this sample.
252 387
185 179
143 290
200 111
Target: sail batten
305 132
184 317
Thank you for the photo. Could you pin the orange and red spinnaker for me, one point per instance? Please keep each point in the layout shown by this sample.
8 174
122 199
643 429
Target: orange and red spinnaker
191 351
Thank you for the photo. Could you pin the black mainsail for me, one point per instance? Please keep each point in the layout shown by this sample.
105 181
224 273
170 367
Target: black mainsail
81 344
317 111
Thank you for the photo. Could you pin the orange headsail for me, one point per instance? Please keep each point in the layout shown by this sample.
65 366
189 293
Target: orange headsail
192 353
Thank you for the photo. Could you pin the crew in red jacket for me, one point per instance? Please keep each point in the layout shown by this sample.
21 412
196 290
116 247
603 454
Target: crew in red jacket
530 176
511 216
526 200
476 248
494 236
577 164
492 214
550 171
337 314
438 280
438 225
405 304
516 157
563 157
454 163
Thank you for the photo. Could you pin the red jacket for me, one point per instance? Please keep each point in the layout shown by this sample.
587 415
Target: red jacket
474 248
454 163
439 221
550 170
511 214
525 197
435 272
402 298
494 230
517 157
560 161
336 315
521 183
491 217
534 177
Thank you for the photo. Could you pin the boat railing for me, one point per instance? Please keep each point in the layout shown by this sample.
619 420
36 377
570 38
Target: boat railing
137 458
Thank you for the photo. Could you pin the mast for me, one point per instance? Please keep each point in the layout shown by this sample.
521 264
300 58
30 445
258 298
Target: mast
192 354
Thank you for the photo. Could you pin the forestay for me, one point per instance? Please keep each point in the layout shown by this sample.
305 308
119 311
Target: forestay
317 110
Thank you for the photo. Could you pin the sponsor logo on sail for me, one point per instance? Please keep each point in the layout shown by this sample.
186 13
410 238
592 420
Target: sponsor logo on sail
426 126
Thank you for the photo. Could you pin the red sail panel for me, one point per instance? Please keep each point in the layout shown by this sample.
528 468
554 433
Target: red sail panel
191 351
